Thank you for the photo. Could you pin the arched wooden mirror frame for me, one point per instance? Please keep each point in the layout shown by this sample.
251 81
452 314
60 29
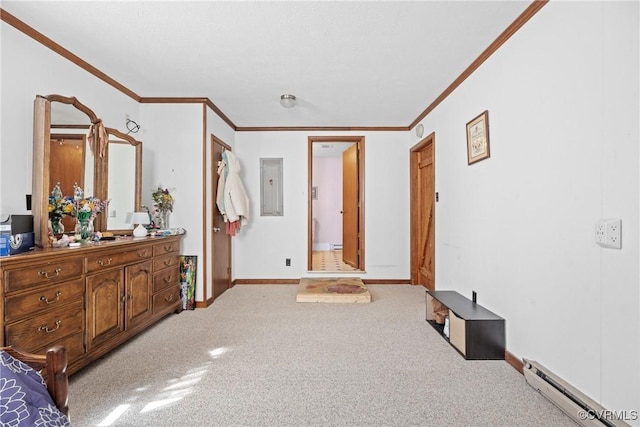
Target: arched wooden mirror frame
41 185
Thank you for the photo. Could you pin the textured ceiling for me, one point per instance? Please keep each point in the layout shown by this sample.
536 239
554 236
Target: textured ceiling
350 64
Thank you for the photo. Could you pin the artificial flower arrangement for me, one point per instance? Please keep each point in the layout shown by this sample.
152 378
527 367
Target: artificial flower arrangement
77 206
57 203
85 208
162 200
163 204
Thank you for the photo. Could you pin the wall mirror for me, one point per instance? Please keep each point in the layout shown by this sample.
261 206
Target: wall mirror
62 153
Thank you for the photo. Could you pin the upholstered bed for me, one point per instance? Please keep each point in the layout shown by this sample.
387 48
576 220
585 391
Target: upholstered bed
34 388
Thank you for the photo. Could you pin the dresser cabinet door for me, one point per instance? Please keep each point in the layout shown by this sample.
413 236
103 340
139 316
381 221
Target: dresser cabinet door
105 304
139 279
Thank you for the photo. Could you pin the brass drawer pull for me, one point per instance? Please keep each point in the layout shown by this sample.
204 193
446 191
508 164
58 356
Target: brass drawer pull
168 248
170 298
45 328
46 300
168 279
167 262
142 254
102 263
46 273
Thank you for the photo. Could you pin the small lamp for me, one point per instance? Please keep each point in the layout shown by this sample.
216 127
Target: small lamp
142 219
288 101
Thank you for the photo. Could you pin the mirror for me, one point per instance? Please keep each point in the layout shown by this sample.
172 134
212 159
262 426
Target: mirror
71 160
62 153
124 180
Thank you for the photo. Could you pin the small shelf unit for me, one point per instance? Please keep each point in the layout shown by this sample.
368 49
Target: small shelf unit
475 332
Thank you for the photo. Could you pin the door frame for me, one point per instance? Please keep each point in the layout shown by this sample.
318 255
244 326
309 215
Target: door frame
359 140
208 299
415 215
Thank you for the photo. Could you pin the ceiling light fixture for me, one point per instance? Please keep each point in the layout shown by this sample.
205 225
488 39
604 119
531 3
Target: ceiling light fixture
288 101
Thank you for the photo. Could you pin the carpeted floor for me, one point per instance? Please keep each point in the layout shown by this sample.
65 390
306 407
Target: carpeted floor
255 357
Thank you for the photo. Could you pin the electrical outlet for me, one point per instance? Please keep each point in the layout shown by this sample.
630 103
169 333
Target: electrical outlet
600 234
287 262
609 233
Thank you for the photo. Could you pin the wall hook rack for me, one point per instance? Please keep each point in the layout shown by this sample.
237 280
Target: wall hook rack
132 126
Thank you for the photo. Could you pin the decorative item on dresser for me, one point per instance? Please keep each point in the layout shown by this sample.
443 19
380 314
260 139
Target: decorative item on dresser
88 299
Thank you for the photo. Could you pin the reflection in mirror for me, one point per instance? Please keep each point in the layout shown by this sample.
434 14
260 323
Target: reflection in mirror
123 176
70 163
70 159
122 189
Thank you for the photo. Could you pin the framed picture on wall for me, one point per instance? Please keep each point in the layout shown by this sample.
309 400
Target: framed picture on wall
478 138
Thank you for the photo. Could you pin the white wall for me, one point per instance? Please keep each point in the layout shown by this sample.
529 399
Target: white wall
327 208
173 156
260 249
518 228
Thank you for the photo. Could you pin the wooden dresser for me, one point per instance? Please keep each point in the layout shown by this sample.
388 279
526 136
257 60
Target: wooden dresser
89 299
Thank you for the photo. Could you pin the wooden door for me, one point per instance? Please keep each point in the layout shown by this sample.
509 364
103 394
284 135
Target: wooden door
66 164
139 282
350 209
422 166
220 240
105 302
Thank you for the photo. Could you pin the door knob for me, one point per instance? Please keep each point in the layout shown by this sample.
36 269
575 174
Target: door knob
216 229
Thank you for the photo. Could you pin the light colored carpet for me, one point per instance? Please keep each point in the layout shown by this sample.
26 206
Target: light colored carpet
255 357
333 290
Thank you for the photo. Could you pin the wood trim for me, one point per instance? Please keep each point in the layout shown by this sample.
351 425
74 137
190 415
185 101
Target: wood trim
360 141
529 12
296 281
386 281
205 253
321 128
186 100
204 304
514 361
266 282
47 42
73 101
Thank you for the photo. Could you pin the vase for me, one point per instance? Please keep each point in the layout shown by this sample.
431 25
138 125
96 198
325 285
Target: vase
84 229
164 220
56 225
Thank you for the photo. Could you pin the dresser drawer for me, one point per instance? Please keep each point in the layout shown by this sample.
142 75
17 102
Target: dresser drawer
74 345
167 277
113 259
166 261
46 329
39 274
165 299
49 298
165 248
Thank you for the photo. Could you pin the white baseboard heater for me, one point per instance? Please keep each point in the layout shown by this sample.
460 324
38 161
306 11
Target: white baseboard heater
584 410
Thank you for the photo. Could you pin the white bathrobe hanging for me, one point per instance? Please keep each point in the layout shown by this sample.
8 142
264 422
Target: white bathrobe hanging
232 199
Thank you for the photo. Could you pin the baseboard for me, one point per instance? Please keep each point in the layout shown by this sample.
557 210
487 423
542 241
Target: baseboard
296 281
266 282
514 361
204 304
386 281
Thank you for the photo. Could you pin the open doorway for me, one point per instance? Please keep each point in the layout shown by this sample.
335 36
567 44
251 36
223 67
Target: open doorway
336 204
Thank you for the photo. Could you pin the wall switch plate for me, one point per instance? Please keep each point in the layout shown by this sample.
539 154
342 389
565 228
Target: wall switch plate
287 262
609 233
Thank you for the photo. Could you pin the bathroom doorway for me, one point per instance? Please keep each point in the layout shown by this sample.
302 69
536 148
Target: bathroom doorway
336 204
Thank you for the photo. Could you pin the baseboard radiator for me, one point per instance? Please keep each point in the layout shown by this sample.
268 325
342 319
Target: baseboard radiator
584 410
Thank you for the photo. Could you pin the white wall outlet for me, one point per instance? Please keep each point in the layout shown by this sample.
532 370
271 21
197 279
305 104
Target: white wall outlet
609 233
